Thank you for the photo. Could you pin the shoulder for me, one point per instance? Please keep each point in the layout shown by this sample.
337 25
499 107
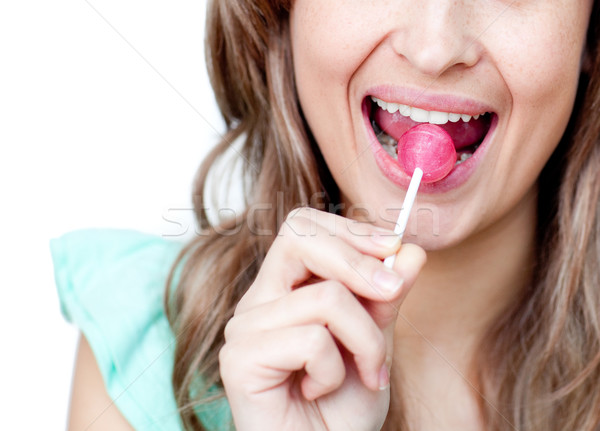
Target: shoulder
92 256
111 285
120 272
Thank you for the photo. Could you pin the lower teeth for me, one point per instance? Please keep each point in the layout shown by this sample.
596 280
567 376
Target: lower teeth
389 144
462 158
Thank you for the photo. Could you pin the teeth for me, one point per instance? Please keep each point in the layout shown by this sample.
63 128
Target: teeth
422 116
462 158
453 118
405 110
436 117
392 107
388 143
419 115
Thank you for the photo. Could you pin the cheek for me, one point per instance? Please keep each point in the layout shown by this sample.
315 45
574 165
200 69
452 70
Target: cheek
329 41
540 60
540 63
543 77
543 85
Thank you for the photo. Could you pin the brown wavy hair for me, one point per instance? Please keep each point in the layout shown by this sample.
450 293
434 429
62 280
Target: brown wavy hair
540 365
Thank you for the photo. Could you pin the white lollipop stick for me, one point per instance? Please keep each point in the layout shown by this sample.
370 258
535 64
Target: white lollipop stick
409 200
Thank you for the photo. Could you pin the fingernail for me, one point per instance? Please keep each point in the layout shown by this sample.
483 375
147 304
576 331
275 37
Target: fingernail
387 240
384 378
387 280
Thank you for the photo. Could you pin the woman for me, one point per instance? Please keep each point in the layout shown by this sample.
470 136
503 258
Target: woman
298 319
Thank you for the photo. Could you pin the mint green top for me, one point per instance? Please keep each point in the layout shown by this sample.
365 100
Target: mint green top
111 285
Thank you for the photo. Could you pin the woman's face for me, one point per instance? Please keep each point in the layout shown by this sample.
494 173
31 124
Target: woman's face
509 68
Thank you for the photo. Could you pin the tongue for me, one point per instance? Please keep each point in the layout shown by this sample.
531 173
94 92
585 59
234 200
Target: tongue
463 134
428 147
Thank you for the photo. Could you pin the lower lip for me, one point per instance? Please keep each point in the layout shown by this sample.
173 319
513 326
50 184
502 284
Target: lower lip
457 177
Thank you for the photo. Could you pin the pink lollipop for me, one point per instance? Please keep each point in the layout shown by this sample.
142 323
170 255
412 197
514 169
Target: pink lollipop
425 152
428 147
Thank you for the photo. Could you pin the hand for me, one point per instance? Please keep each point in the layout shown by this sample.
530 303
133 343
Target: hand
310 342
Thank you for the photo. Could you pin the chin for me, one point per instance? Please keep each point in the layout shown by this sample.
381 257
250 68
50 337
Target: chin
429 235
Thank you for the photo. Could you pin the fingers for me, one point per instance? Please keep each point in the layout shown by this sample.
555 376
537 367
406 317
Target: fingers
332 306
270 357
305 247
285 325
366 237
410 259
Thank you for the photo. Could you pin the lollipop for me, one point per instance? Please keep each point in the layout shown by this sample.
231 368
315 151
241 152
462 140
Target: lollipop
427 153
428 147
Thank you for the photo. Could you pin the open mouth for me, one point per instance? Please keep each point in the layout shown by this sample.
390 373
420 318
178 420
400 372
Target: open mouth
391 120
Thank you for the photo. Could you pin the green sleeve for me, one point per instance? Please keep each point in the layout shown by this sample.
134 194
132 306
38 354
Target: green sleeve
111 284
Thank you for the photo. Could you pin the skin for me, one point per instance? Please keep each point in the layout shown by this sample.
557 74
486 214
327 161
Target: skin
318 329
505 58
91 406
480 248
294 375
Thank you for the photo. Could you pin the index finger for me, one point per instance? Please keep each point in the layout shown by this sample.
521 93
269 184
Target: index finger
306 249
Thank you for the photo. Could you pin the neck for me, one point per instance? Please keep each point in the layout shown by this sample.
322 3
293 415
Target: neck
461 290
459 293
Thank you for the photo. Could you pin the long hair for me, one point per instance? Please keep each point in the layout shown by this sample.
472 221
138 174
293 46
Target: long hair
541 367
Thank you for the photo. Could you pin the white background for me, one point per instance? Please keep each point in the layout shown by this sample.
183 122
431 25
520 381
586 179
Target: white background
91 135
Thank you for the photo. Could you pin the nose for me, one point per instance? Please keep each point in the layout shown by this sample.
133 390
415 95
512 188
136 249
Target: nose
434 36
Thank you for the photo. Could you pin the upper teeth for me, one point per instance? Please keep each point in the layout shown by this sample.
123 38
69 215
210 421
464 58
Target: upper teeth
422 116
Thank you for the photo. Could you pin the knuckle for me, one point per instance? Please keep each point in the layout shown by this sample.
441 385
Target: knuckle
226 360
296 214
317 341
333 379
250 298
289 226
299 222
337 376
300 211
230 329
292 214
331 294
295 227
231 369
355 260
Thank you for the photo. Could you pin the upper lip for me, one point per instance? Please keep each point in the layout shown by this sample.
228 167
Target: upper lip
429 101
